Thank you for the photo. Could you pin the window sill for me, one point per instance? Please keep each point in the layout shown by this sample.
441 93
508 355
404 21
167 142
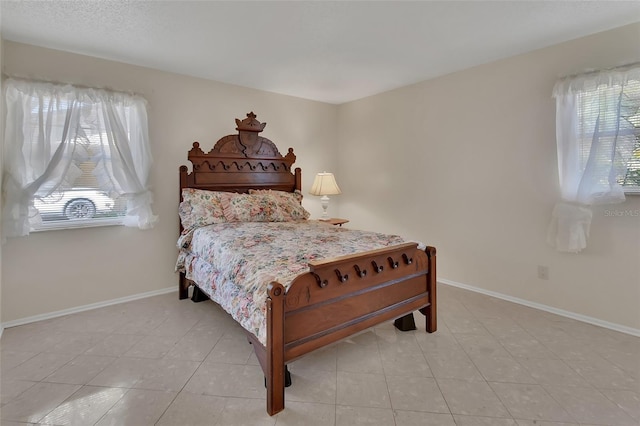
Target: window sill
77 224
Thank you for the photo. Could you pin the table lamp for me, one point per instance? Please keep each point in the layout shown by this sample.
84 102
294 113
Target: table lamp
324 184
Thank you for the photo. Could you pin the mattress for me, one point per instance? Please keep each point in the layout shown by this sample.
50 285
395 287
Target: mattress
233 263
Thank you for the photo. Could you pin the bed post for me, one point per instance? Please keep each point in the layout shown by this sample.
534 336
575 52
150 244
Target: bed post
431 311
183 285
298 176
275 348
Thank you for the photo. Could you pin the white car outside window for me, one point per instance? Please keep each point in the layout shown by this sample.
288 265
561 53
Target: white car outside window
76 204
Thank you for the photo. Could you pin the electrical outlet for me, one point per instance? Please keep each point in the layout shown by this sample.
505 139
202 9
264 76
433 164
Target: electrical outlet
543 272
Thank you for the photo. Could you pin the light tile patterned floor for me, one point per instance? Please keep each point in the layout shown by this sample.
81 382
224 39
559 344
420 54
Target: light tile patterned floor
161 361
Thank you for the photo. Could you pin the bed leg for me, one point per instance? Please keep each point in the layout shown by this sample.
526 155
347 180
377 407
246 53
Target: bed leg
183 287
275 349
405 323
198 295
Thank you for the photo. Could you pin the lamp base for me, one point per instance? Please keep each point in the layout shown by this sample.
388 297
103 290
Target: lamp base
324 201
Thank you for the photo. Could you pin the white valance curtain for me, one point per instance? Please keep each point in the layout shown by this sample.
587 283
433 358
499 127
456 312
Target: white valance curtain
45 141
594 142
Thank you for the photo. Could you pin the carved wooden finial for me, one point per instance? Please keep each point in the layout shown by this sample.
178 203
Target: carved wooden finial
195 150
250 124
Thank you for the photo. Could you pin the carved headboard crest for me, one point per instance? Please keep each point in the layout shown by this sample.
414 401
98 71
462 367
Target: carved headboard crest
248 143
241 162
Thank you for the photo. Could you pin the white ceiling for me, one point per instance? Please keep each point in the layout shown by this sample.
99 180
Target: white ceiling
322 50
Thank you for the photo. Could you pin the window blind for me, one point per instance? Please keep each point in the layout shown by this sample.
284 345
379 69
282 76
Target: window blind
610 112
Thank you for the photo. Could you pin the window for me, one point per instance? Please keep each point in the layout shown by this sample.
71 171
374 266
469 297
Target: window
598 145
607 113
597 132
75 157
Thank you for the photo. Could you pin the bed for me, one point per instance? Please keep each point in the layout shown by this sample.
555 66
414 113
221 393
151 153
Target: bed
310 305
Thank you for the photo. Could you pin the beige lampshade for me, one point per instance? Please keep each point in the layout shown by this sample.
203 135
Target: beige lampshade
325 184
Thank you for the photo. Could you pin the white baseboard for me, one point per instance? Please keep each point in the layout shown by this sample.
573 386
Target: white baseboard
83 308
561 312
546 308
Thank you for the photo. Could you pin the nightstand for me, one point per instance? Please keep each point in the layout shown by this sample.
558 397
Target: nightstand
335 221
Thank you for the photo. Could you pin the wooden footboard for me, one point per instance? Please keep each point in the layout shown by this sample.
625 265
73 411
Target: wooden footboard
339 297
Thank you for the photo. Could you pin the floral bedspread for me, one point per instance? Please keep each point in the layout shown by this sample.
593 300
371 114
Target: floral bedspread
235 262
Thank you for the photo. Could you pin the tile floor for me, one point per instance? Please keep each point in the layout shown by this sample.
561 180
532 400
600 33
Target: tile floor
161 361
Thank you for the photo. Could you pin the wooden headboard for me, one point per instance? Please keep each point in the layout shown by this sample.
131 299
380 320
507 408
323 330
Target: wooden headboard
241 162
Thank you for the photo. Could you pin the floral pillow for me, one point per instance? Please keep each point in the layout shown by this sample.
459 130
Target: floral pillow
201 208
252 208
288 202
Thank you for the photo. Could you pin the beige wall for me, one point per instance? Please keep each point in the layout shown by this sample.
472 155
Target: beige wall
56 270
467 162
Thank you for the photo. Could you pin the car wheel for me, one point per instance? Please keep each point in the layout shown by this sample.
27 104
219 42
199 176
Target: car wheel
79 208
